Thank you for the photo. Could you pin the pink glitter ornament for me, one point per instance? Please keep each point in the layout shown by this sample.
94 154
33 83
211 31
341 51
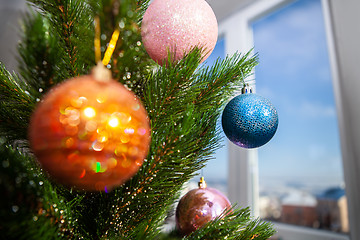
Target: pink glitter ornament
198 207
176 26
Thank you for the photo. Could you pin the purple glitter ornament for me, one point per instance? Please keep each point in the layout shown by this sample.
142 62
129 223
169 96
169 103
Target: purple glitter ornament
198 207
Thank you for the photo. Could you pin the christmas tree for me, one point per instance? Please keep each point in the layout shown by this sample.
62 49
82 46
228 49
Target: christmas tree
183 100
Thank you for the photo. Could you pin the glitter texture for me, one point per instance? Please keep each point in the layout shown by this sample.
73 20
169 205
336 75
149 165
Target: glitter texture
198 207
177 26
249 120
90 135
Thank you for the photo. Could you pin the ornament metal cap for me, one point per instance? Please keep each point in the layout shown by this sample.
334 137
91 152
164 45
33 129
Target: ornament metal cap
101 73
246 89
202 183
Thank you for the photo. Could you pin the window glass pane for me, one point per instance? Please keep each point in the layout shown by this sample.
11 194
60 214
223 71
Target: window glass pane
300 169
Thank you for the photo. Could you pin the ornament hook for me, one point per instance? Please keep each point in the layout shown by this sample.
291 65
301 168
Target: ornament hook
202 183
246 89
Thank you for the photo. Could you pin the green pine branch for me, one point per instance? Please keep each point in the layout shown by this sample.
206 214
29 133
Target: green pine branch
16 104
130 62
71 23
235 224
142 6
30 201
231 224
183 100
184 137
39 53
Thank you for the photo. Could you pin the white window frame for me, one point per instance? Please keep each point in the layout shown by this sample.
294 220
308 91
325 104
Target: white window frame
343 37
341 18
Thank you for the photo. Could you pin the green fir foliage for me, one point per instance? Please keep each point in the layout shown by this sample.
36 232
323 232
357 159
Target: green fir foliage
39 53
16 106
71 24
184 101
234 224
31 206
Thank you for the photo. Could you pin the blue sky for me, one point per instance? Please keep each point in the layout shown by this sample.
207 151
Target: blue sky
294 74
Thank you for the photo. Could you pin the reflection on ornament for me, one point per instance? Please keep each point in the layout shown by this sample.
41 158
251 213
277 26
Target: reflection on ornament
198 207
178 26
89 134
249 120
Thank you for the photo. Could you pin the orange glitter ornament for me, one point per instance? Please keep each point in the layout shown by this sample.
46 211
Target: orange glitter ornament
90 133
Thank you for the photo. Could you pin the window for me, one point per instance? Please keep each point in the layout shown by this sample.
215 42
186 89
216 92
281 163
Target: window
342 39
300 170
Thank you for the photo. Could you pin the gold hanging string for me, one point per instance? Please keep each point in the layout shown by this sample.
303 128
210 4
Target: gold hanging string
97 45
110 49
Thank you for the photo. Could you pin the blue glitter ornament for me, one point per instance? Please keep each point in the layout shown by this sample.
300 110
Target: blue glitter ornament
249 120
